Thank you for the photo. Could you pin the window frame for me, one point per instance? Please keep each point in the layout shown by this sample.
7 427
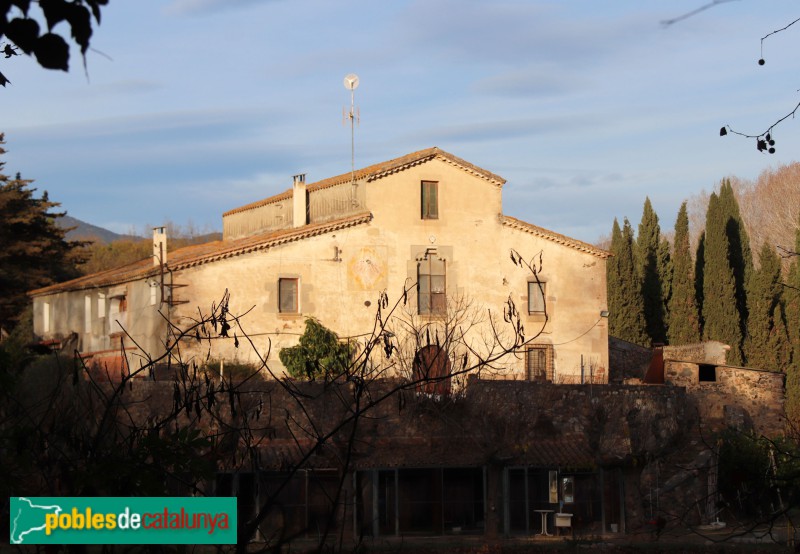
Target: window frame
429 199
431 303
87 313
536 374
537 293
47 323
295 307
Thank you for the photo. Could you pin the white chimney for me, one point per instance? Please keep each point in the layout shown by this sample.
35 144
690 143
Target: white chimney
159 246
299 200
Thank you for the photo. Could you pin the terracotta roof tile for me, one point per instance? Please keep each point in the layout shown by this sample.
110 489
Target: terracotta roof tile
515 223
378 171
202 253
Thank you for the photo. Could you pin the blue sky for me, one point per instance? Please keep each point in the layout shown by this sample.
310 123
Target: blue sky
194 107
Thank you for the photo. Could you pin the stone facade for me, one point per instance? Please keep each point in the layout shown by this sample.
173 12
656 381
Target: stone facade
344 245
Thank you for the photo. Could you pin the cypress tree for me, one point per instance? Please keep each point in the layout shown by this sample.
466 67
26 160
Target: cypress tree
699 277
684 321
766 343
792 298
665 274
648 243
626 313
721 315
740 256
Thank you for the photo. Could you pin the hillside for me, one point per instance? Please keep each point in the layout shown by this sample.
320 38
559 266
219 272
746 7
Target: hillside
80 230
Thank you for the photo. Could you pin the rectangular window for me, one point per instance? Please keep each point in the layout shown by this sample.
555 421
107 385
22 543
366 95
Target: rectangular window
87 314
153 295
101 304
536 294
46 316
539 363
431 285
430 200
287 296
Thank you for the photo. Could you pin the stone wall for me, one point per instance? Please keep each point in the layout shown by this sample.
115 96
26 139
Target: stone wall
737 397
627 360
661 437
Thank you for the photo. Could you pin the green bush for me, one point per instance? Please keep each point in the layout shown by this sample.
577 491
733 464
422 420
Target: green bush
318 355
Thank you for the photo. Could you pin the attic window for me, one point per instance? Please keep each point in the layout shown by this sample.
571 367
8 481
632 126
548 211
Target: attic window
707 373
430 200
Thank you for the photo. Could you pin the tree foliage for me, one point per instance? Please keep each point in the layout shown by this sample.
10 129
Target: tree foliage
652 267
766 344
319 354
34 252
739 254
721 317
791 294
684 321
31 30
626 313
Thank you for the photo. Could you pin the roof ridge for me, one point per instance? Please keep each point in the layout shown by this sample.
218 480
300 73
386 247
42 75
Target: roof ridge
377 171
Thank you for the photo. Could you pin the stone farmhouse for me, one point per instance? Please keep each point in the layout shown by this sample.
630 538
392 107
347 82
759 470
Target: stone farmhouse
428 221
557 436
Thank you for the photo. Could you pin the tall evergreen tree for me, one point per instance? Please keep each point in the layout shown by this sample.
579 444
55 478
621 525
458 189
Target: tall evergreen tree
699 277
721 316
34 252
684 321
766 345
665 274
626 313
792 299
648 243
740 256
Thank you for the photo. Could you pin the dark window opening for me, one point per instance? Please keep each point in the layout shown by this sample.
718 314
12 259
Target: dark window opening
287 296
421 501
707 373
539 363
430 200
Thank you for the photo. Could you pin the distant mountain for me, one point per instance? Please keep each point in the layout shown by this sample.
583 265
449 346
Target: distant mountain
87 231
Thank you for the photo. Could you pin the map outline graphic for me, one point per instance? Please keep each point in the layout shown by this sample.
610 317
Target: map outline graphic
18 539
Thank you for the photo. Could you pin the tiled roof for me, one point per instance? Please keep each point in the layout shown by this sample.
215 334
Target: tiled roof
202 253
380 170
515 223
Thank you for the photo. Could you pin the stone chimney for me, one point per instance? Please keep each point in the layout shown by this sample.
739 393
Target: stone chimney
159 246
299 200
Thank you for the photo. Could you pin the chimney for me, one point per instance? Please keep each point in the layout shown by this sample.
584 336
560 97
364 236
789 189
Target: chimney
159 246
299 200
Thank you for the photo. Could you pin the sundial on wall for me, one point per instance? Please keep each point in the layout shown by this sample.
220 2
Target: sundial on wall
366 268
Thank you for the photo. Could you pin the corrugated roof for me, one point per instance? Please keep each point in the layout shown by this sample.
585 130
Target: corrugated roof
515 223
378 171
202 253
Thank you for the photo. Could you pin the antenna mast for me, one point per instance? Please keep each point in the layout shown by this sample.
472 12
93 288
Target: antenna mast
351 83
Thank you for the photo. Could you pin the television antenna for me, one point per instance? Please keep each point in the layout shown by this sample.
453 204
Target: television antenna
351 83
